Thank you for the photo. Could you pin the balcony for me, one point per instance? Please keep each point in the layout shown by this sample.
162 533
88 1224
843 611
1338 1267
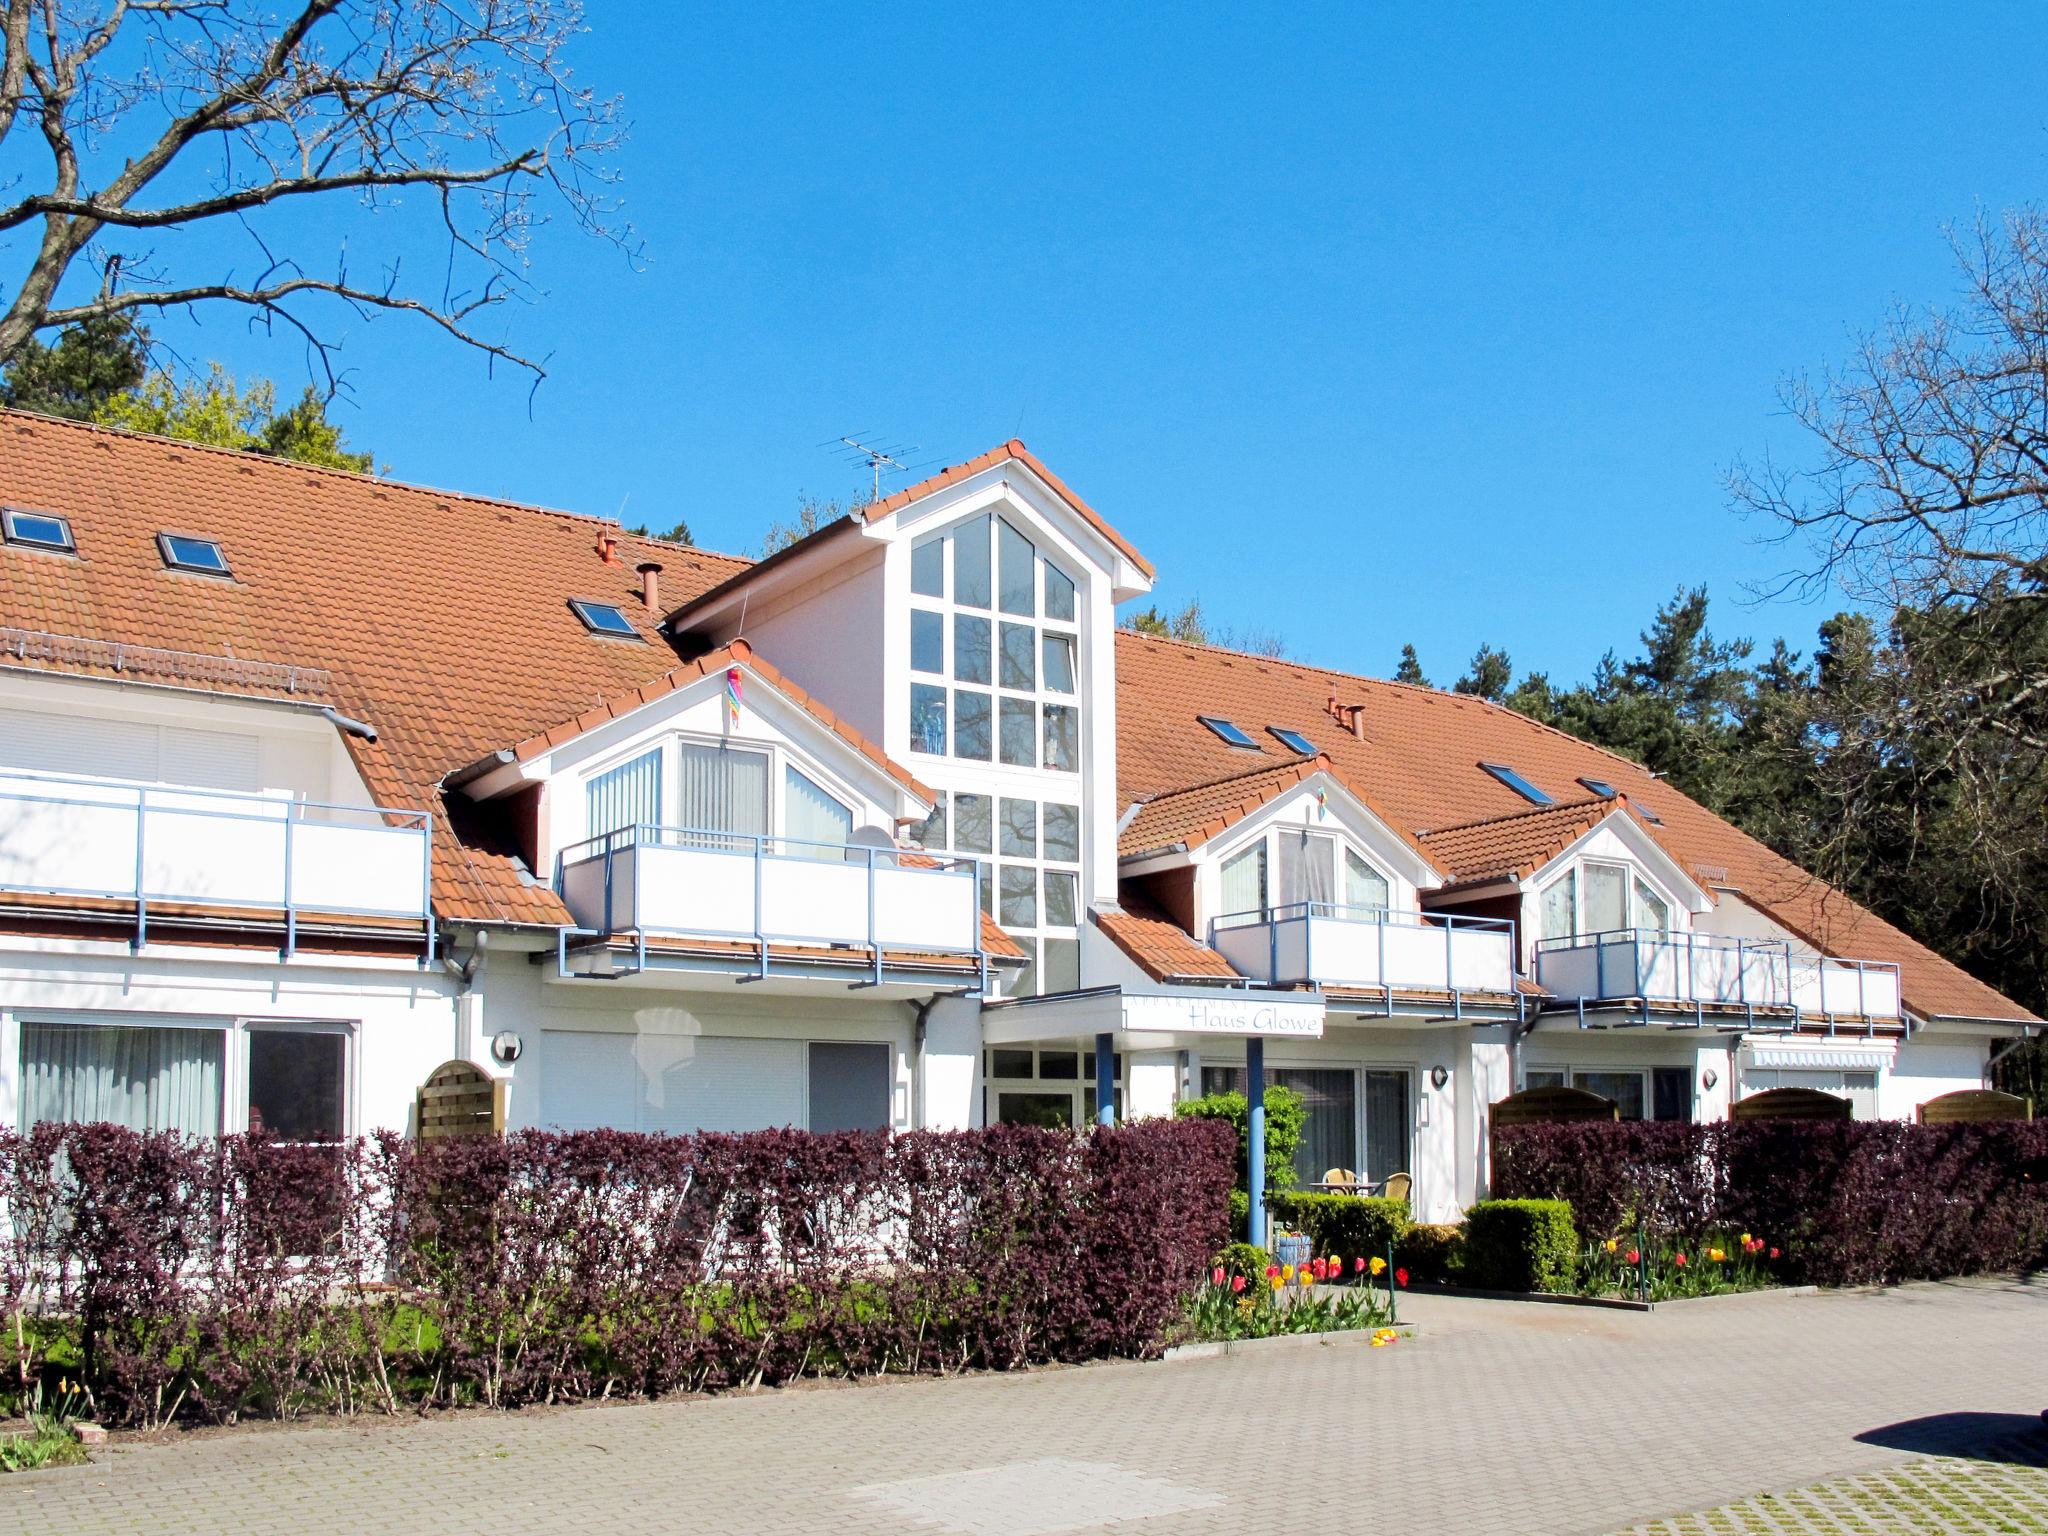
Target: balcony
203 854
1322 944
758 892
1693 970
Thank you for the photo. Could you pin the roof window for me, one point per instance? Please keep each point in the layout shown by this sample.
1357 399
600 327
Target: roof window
37 530
189 554
1600 787
1518 784
1646 813
1293 741
604 619
1228 732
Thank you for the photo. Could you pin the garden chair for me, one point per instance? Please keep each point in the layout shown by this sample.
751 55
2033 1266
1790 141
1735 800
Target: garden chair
1397 1186
1339 1181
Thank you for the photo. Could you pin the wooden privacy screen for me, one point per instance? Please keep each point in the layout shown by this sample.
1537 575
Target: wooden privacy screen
1539 1106
459 1099
1975 1105
1791 1104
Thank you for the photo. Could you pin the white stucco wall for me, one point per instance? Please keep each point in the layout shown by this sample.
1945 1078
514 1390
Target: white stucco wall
1928 1066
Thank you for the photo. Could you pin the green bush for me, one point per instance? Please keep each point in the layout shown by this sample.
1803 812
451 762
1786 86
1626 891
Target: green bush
1521 1245
1344 1227
1431 1252
1247 1259
1285 1117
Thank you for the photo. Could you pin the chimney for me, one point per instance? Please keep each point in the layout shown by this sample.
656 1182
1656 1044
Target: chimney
650 585
1357 720
606 544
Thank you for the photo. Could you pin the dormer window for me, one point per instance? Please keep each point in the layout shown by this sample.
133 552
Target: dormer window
1317 871
182 553
1518 784
1231 734
1293 741
1595 897
604 619
37 530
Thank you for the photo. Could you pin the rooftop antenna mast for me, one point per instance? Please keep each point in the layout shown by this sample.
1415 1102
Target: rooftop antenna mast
875 457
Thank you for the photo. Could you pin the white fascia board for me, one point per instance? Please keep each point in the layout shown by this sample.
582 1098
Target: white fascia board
1017 484
1349 813
1671 875
804 566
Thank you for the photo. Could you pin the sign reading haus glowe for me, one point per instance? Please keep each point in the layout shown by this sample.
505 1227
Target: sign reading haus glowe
1227 1013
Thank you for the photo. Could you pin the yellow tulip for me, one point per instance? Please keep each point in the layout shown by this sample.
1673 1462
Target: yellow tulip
1611 1245
1278 1282
1716 1255
1379 1265
1745 1239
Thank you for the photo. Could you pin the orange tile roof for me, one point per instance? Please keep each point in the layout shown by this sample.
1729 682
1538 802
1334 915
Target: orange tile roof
1160 947
1515 846
1419 761
443 619
739 652
1014 449
1189 817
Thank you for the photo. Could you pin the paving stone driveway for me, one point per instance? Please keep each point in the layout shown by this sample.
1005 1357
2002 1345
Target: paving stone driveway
1495 1417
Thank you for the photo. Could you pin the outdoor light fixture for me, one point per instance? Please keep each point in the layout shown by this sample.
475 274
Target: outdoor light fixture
505 1047
1708 1078
1438 1076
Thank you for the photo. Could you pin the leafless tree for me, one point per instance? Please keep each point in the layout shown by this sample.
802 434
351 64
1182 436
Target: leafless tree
123 119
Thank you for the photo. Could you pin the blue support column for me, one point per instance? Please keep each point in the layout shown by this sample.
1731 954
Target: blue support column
1255 1119
1105 1079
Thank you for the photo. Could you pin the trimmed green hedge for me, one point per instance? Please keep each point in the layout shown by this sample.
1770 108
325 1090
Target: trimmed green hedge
1345 1227
1520 1245
1431 1252
1247 1259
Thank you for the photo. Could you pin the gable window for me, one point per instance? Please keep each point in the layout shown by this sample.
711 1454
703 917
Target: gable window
1365 888
1592 898
1244 880
1652 910
604 619
1307 867
37 530
724 789
185 554
1518 784
811 817
624 797
1603 895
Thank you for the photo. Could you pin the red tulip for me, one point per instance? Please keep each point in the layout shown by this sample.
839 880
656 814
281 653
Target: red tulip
1774 1253
1635 1255
1216 1275
1236 1284
1358 1265
1272 1271
1320 1268
1679 1260
1401 1278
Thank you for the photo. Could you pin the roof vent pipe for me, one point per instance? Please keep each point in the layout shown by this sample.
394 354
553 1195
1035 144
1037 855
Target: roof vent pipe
342 722
1357 714
606 543
650 584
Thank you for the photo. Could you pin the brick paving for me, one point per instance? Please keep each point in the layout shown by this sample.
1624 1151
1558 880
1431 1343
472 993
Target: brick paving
1493 1417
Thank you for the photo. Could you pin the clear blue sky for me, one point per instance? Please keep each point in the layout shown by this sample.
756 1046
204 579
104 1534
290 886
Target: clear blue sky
1368 324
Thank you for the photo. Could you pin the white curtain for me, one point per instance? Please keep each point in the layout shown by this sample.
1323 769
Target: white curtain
1244 881
1308 867
145 1078
626 796
723 789
1606 898
1556 907
809 815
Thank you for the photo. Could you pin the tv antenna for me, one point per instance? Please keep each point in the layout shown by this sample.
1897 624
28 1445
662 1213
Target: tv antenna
875 455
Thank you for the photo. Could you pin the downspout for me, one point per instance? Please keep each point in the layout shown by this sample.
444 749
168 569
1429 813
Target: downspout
919 1013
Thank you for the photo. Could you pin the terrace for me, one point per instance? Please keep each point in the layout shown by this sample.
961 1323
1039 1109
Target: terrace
1699 972
1324 944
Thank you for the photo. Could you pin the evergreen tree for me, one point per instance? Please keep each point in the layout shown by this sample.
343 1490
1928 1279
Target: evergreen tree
1489 675
1410 669
79 373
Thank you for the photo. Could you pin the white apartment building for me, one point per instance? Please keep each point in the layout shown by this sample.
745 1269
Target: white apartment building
312 783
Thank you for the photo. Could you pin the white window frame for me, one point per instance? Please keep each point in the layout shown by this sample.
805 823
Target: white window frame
1340 837
781 757
1631 873
238 1061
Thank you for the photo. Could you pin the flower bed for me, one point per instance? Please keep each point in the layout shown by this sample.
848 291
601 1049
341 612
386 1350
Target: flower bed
210 1279
1644 1270
1313 1298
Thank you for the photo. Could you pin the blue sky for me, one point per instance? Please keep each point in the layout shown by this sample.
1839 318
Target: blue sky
1369 324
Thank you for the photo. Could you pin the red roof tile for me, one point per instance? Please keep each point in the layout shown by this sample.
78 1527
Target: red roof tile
1160 947
1419 761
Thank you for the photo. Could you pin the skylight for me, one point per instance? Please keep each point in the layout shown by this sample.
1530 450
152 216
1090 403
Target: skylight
1293 741
187 554
37 530
1230 733
604 619
1518 784
1646 813
1600 787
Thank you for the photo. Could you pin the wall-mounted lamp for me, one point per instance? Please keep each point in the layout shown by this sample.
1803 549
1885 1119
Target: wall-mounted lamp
1708 1078
1438 1076
505 1047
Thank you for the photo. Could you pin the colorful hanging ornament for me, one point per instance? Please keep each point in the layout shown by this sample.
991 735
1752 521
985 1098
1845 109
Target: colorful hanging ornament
732 695
1322 804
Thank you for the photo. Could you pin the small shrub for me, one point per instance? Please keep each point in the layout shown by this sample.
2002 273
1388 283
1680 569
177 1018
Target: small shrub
1285 1117
1432 1253
1345 1226
1246 1259
1521 1245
